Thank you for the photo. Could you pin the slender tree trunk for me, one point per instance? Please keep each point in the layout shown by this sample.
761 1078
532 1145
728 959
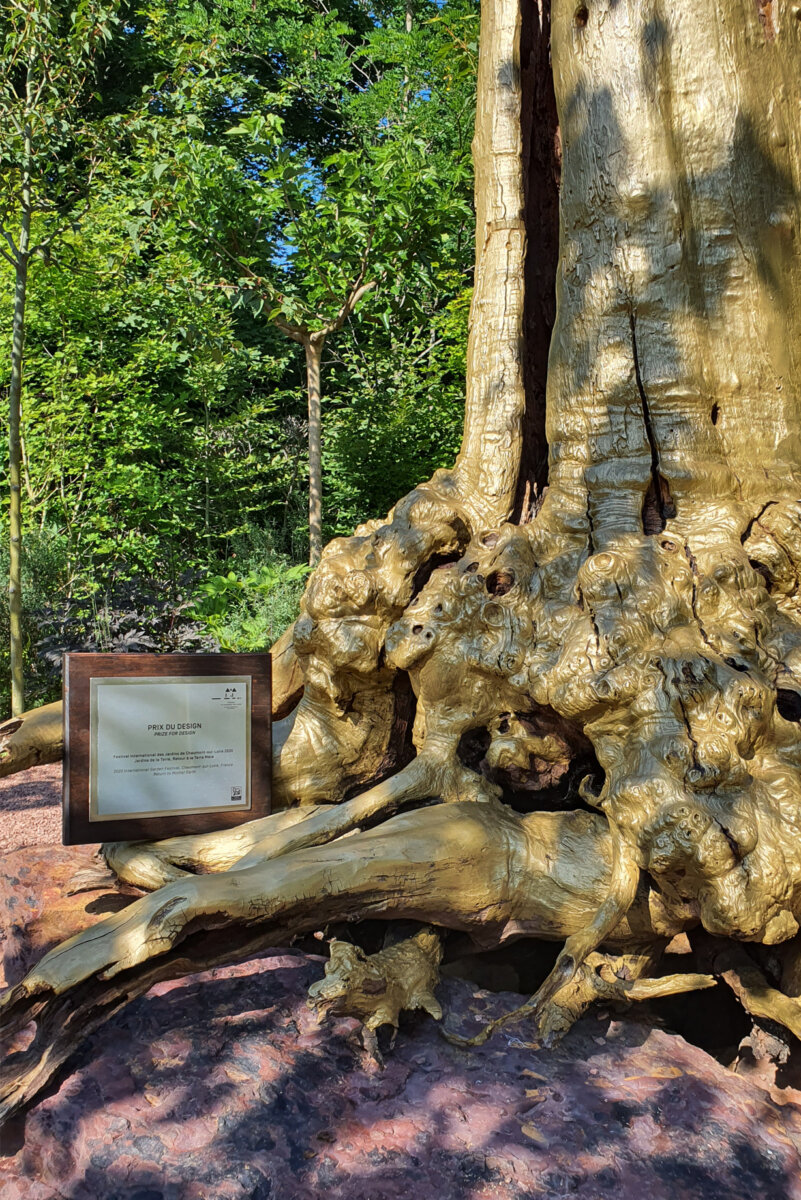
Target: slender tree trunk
409 21
15 442
206 489
313 345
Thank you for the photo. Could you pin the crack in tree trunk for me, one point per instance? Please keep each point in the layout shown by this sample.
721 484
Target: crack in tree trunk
658 494
646 416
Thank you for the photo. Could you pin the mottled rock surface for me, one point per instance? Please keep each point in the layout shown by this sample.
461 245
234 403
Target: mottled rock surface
222 1086
36 911
30 808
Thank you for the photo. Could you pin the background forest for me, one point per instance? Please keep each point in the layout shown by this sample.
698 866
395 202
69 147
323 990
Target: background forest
221 173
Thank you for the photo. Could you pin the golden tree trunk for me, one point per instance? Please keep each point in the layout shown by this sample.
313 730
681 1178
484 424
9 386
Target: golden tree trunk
625 652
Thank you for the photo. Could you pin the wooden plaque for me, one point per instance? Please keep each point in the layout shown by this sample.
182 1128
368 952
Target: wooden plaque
157 745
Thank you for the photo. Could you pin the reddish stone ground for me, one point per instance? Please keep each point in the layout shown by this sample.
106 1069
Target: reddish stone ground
222 1086
30 808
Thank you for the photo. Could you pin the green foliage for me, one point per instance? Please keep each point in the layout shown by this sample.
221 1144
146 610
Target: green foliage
405 419
249 612
48 54
258 157
47 159
381 193
249 604
139 440
45 574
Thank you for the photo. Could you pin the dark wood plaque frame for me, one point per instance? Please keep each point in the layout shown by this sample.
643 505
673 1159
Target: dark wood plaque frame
80 669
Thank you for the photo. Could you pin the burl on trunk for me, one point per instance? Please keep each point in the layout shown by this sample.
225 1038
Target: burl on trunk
587 698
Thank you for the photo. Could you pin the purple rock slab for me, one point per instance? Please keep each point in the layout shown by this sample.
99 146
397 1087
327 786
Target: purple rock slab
222 1086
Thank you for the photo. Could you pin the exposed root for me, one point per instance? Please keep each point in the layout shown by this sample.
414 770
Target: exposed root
666 665
574 953
341 735
415 782
622 890
671 645
151 865
474 867
736 967
377 987
34 738
601 977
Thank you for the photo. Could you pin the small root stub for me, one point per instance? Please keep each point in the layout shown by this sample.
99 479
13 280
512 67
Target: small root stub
376 988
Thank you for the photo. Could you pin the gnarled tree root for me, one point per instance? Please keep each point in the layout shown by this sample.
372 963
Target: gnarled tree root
151 865
572 957
735 966
615 979
648 616
32 739
377 987
479 868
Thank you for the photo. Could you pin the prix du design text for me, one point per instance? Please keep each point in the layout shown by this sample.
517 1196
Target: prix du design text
164 730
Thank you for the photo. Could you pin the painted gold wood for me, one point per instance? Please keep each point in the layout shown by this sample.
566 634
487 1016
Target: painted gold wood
644 628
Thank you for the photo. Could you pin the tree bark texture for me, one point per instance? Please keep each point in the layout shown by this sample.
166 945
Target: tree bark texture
602 696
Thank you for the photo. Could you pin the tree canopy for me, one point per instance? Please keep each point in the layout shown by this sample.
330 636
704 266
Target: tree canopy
259 160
